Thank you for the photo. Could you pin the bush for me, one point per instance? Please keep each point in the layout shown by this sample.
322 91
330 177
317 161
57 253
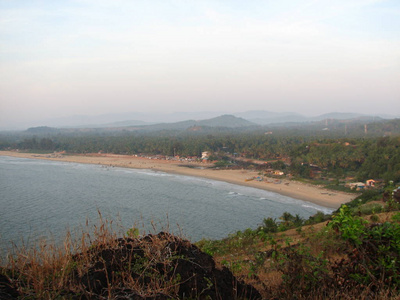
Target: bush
317 218
375 261
365 197
369 209
351 228
269 226
302 273
396 217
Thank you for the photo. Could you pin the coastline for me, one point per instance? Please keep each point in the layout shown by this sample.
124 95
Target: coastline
293 189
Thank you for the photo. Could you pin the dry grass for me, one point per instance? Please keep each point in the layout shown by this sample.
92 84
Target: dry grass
44 269
273 265
100 265
103 264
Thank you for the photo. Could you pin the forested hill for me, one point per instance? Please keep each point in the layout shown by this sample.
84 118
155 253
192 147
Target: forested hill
228 124
224 123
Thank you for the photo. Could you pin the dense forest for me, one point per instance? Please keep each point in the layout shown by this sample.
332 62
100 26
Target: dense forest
301 155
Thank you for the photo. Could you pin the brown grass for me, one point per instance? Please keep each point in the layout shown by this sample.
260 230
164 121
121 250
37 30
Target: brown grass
100 265
45 268
297 252
49 271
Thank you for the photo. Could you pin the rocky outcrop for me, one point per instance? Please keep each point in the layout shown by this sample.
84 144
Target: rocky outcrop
158 266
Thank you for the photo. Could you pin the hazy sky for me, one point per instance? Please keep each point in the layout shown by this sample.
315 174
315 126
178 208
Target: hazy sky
61 58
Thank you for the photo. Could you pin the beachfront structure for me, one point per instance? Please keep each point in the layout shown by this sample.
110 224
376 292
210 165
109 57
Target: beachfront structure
370 183
356 185
278 172
205 155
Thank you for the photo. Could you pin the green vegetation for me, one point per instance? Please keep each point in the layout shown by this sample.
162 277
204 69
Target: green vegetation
352 254
348 257
305 152
329 161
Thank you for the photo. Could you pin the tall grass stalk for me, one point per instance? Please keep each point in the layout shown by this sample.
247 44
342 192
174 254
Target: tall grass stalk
44 269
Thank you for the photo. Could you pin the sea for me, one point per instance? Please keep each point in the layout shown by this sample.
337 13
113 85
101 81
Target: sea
42 199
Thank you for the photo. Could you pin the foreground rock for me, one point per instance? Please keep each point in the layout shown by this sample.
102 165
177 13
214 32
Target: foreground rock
7 291
158 266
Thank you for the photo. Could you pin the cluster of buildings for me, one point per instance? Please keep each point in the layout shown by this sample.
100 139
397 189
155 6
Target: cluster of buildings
370 183
170 158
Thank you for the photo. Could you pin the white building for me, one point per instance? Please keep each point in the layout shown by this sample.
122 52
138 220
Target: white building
205 154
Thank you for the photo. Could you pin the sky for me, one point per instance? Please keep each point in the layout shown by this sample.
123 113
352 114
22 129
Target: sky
89 57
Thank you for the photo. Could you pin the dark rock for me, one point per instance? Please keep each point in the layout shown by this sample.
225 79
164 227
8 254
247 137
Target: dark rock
135 268
7 291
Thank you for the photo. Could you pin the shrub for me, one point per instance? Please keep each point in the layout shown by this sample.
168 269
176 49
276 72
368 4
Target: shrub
317 218
269 225
368 209
396 217
375 262
351 228
302 273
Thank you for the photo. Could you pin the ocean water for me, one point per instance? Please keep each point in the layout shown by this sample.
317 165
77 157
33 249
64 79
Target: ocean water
43 199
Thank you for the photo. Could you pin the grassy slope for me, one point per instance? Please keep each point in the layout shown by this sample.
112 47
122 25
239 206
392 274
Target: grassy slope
346 259
296 262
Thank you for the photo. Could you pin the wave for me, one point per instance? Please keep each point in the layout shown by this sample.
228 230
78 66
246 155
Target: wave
235 193
325 210
155 173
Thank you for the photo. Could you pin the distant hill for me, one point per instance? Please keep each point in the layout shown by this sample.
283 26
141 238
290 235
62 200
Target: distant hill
42 130
117 119
237 120
225 121
288 118
360 126
132 119
228 121
337 116
121 124
267 117
349 123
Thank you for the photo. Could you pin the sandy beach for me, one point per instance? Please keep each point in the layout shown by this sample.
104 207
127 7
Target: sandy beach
294 189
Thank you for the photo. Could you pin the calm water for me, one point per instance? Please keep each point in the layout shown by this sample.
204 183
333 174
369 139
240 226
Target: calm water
45 198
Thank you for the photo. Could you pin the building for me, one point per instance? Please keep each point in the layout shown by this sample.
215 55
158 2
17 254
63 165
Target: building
370 183
356 185
205 155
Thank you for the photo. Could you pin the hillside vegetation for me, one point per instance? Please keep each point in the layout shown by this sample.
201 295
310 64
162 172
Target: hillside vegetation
353 254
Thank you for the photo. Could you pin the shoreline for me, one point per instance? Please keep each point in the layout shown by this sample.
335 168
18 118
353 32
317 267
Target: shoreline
290 188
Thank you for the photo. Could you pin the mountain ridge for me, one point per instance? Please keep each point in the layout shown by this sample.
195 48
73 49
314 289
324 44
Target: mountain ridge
236 120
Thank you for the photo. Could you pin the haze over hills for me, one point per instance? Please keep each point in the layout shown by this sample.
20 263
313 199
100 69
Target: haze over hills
227 121
266 117
115 120
230 124
224 121
179 120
